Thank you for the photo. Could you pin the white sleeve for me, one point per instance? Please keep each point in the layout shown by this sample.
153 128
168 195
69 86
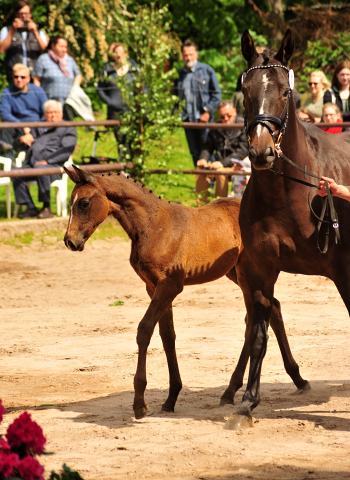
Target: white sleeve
3 34
43 36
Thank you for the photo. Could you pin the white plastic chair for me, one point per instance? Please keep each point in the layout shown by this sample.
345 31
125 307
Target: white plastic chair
61 187
6 182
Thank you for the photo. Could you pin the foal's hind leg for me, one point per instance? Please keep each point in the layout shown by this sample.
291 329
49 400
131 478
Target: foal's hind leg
167 333
165 292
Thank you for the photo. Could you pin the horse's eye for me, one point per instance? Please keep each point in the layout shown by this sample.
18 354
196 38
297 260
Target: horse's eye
286 92
85 203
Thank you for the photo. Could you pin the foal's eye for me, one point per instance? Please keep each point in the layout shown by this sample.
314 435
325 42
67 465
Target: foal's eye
286 92
85 203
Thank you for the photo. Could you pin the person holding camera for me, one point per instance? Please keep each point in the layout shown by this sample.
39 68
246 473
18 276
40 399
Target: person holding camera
22 42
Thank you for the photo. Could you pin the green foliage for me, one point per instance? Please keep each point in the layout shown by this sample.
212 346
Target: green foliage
67 474
325 53
149 118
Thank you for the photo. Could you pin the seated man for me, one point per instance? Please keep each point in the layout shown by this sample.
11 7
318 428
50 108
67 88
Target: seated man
51 147
230 147
22 101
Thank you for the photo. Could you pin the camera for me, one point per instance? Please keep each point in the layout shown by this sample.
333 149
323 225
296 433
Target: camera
25 26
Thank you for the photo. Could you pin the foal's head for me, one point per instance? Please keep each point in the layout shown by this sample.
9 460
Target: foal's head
89 206
267 89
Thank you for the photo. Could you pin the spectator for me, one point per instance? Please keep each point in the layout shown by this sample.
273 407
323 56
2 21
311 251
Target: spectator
318 83
231 150
340 91
56 71
198 86
20 102
305 115
110 93
51 147
331 114
22 42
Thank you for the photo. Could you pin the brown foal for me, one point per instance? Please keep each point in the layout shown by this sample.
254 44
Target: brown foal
171 246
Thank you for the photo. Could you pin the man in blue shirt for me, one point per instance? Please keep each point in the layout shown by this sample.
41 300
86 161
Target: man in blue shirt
22 101
198 86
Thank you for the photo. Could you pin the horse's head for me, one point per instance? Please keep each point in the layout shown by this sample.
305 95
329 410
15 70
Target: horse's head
266 87
89 206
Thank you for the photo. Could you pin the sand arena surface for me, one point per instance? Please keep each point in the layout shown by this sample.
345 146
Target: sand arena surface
63 345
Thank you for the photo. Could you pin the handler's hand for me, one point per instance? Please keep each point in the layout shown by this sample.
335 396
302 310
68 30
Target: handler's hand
336 190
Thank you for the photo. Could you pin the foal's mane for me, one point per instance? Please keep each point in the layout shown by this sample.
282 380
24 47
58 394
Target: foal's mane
133 181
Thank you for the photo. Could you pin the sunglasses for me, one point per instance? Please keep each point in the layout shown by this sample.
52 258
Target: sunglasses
313 83
226 115
20 76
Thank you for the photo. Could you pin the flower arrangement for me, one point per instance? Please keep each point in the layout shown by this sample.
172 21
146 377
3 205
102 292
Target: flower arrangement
25 440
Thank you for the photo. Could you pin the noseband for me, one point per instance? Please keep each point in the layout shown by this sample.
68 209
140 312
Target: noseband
265 118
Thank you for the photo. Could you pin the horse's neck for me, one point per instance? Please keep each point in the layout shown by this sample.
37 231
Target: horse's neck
134 206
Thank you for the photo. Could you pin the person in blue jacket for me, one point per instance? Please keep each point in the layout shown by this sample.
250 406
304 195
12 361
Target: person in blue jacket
22 101
198 86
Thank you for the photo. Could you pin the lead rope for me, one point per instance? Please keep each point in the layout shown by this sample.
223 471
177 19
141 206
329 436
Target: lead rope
327 207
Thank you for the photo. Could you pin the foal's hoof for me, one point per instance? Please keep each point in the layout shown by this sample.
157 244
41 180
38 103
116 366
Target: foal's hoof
167 407
306 387
140 412
226 401
237 422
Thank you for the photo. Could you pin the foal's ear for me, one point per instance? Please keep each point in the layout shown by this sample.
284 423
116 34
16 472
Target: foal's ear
248 47
72 175
287 48
83 175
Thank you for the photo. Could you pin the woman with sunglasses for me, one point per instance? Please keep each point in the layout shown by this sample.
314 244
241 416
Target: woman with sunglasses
340 92
318 83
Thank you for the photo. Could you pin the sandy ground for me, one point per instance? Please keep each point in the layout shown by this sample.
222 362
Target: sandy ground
68 357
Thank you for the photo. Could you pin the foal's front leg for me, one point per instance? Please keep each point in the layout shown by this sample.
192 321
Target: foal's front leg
164 293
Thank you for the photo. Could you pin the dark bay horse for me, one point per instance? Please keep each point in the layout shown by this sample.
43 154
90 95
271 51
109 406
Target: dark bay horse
171 246
279 231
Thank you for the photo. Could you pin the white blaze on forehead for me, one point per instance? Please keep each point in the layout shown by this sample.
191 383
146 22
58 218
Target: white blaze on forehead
265 83
71 210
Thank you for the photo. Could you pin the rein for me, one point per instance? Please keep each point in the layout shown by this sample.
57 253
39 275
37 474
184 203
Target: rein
263 119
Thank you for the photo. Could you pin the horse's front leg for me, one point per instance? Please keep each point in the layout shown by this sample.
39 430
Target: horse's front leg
261 286
164 293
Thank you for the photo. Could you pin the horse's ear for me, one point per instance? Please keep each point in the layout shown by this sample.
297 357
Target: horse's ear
72 175
248 47
287 48
85 176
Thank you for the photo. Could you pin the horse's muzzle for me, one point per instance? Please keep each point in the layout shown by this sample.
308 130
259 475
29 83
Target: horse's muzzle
74 244
262 160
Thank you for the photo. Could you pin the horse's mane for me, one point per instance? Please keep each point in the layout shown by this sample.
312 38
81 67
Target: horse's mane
136 182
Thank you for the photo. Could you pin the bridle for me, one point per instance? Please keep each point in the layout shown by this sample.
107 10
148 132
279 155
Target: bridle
265 119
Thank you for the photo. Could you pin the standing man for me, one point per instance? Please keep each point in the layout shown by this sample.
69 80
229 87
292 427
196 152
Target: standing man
230 148
22 101
198 86
22 42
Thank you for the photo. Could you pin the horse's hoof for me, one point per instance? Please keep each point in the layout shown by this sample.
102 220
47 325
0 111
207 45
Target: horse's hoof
237 422
303 389
140 412
226 401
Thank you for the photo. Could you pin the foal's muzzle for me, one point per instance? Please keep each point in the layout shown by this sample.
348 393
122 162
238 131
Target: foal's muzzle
74 244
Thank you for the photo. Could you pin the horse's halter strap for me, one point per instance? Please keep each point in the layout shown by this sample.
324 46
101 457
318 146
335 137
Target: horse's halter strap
265 118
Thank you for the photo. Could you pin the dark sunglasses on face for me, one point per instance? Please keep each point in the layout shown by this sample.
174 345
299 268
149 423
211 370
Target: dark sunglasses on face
228 115
313 83
20 76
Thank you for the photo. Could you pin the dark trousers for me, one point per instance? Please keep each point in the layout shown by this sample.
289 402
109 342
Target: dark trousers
196 139
21 189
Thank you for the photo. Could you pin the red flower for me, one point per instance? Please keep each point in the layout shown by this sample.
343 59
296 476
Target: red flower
4 446
25 431
30 469
2 411
8 461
